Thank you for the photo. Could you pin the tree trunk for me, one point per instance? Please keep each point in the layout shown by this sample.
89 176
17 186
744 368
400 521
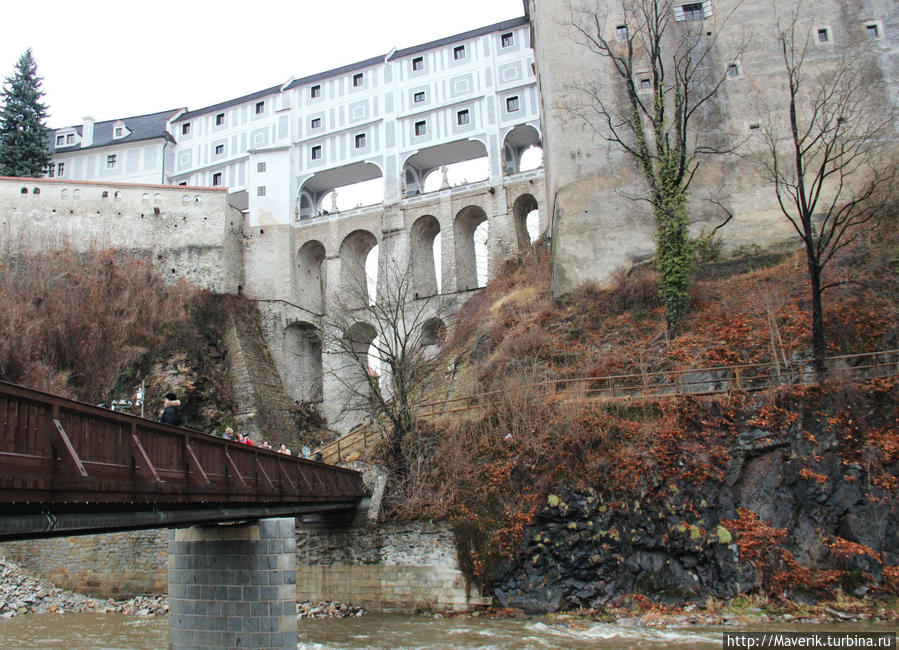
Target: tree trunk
819 346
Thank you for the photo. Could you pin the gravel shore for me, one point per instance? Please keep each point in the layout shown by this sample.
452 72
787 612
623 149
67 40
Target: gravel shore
24 593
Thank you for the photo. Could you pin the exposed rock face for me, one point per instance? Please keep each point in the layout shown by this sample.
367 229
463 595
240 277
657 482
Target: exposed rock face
587 549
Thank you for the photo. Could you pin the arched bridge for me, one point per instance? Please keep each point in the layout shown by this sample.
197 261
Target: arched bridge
71 468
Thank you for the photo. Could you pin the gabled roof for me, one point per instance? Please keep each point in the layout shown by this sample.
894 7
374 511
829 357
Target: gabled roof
259 94
141 127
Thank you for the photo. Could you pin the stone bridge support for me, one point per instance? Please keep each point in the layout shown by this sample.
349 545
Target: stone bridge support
233 586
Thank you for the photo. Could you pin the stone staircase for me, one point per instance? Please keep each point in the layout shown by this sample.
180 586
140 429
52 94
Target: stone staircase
264 409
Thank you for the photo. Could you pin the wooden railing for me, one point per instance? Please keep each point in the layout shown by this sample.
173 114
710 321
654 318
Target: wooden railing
653 386
55 450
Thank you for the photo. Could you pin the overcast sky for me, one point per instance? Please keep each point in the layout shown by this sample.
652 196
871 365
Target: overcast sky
114 59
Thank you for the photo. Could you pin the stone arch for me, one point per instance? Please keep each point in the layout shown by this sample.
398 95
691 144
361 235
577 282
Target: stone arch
353 281
310 278
433 331
516 142
466 222
524 205
424 268
360 336
303 361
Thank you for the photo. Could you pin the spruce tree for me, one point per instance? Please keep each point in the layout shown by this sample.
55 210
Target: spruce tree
23 134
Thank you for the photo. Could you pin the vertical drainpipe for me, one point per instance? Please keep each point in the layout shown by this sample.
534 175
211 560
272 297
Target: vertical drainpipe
164 143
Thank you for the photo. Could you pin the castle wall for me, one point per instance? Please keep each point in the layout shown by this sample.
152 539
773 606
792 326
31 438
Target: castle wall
186 232
599 225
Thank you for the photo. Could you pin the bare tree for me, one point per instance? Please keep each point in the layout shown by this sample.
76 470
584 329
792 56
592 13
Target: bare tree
821 156
403 333
663 77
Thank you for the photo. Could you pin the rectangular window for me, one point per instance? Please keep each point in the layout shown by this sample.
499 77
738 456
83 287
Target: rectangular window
61 170
217 179
418 63
260 167
645 83
317 152
462 117
360 141
872 30
733 70
357 80
458 52
421 128
70 138
51 170
316 123
823 35
219 149
693 11
315 91
418 97
621 32
185 128
511 104
260 191
260 107
220 119
110 161
60 140
508 40
118 132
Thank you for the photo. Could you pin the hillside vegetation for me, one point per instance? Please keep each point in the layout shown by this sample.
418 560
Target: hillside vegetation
563 500
91 327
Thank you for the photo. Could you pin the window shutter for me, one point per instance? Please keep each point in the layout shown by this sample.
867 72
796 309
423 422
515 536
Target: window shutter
678 13
707 9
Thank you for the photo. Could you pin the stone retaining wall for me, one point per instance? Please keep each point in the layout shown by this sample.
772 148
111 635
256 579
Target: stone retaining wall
394 567
112 565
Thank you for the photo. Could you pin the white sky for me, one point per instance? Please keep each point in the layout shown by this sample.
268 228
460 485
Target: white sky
113 59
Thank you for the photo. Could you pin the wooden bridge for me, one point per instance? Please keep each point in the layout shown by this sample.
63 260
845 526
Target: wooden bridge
72 468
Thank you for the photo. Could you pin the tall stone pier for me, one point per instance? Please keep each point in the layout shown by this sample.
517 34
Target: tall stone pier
233 586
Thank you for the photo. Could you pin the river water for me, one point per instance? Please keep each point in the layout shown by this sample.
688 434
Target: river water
77 631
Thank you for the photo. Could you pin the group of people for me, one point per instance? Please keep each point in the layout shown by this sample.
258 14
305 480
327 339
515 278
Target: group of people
171 414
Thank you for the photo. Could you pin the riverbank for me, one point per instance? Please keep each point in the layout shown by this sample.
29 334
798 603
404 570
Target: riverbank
21 592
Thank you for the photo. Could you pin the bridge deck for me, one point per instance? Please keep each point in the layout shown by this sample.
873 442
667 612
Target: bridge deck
59 456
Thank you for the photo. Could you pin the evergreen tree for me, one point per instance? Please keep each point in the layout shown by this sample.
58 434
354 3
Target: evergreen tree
23 134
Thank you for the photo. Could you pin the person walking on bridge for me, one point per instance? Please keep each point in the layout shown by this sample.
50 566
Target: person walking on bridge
171 410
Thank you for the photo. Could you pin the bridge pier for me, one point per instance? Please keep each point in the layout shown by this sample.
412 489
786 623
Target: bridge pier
233 586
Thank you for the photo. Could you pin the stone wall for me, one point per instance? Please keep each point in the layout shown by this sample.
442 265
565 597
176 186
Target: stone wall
598 222
111 565
187 232
395 567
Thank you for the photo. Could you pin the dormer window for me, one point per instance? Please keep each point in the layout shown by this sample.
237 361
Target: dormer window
118 132
70 138
60 140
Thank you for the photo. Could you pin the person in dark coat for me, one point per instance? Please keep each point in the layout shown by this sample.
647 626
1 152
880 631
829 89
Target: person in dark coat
171 410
